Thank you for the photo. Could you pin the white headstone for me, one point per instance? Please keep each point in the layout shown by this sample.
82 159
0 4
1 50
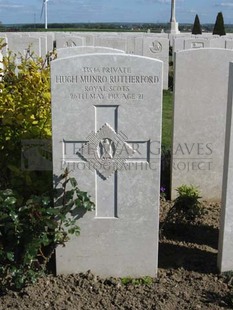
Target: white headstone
193 43
200 101
177 45
66 40
78 50
229 43
218 42
47 43
4 40
113 41
43 46
1 66
107 107
18 43
225 246
190 42
134 45
158 48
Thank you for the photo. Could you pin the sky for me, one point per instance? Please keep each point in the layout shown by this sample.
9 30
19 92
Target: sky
144 11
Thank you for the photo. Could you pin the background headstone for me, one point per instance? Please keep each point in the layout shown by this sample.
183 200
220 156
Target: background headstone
113 41
200 101
18 43
110 102
134 45
1 67
193 43
158 48
218 42
225 247
229 43
47 42
3 38
66 40
78 50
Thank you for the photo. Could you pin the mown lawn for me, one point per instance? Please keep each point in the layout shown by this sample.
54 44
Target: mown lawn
166 141
167 119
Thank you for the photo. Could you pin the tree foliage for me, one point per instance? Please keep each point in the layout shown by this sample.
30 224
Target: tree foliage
219 27
196 26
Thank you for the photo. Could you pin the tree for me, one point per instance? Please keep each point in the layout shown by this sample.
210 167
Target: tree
219 27
196 26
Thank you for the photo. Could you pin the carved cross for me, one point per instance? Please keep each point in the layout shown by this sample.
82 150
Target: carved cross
106 151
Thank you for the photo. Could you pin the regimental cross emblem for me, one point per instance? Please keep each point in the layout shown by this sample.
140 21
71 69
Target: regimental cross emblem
106 151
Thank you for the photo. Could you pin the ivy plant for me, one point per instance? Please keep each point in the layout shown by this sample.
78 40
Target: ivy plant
31 230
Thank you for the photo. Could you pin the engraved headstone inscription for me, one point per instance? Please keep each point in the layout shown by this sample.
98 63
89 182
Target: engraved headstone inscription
67 40
106 117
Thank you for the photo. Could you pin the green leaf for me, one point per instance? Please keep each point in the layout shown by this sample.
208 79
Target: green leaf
13 215
74 231
7 192
73 182
10 200
10 256
69 194
14 169
77 202
52 211
46 201
89 206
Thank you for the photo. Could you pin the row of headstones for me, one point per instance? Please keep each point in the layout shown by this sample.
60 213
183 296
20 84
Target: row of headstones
199 115
154 46
107 113
39 43
143 44
184 42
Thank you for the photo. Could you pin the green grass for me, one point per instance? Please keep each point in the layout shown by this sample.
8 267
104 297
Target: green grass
167 119
138 281
166 141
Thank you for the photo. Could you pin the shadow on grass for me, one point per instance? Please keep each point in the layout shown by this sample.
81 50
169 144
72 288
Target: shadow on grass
198 234
174 252
191 259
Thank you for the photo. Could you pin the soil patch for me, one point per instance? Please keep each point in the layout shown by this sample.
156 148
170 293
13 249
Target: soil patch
187 277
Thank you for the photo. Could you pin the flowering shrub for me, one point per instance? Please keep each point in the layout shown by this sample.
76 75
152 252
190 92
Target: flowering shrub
25 113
